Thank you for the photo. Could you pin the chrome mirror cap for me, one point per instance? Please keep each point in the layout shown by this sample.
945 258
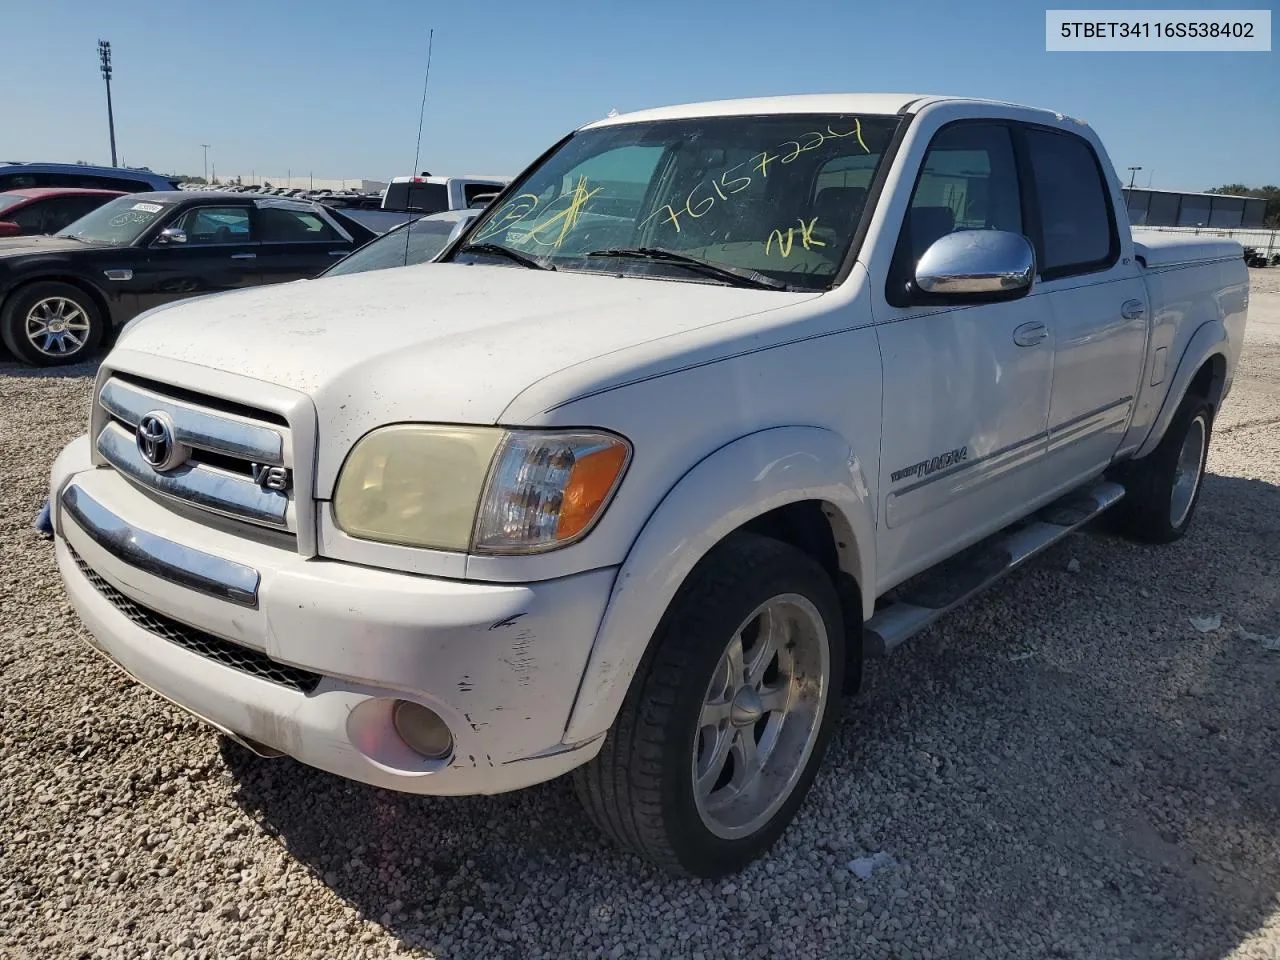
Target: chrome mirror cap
977 262
171 235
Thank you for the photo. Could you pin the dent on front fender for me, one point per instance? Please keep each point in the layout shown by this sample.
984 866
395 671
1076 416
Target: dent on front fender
737 483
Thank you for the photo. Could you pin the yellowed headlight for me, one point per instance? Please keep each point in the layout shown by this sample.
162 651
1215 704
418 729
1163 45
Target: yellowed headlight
416 484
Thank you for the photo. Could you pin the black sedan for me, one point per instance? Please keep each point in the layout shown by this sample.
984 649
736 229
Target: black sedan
61 296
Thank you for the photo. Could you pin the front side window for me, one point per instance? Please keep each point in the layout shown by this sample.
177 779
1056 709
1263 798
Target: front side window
215 225
1075 205
774 197
118 223
968 181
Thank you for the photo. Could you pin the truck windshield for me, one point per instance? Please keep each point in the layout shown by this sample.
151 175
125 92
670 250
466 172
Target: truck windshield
119 222
776 196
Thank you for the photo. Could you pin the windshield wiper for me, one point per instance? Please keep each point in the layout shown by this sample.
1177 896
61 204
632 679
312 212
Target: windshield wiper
496 248
736 276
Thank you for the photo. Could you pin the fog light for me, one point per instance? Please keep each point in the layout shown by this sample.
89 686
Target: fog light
422 730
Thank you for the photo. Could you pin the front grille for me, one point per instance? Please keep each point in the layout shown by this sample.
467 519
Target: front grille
204 644
218 450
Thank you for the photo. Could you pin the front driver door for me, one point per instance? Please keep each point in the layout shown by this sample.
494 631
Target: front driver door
219 253
966 388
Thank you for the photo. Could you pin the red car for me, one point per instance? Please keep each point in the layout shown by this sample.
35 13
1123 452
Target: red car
47 209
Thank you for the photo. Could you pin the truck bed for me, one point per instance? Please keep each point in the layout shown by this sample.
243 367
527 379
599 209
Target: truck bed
1158 249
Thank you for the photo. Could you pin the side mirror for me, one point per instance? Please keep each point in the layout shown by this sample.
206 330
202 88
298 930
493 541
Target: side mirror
979 265
171 235
9 229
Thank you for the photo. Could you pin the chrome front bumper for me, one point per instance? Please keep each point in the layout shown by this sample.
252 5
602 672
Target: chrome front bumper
184 566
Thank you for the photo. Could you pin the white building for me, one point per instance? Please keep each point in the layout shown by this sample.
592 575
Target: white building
306 182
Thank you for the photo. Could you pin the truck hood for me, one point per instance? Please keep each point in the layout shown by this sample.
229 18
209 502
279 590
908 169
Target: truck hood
444 342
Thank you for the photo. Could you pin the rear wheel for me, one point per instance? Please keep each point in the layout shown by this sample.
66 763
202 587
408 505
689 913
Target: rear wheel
728 717
51 323
1163 488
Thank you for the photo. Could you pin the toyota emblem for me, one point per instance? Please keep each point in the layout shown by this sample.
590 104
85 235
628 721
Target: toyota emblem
157 444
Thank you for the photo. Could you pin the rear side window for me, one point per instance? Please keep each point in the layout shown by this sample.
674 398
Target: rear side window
60 212
278 225
31 217
1076 216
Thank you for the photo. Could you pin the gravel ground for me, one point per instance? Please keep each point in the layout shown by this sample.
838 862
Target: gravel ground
1065 768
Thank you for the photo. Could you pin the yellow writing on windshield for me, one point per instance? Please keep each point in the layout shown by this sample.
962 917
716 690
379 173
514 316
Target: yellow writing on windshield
703 196
673 216
566 218
786 240
512 213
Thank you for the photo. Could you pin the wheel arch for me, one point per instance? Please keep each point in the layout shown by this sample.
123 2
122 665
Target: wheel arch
1203 367
800 484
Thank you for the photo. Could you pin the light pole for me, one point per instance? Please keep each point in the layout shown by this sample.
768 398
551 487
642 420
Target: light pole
104 56
206 163
1133 171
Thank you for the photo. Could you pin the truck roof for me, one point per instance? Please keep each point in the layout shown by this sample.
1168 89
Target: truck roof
863 103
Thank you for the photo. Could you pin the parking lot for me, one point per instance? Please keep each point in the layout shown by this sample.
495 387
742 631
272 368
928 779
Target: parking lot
1067 767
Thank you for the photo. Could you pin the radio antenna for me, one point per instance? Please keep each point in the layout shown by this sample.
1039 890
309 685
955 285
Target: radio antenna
417 150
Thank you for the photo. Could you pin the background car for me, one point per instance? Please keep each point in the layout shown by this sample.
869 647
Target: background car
418 241
47 209
61 295
20 176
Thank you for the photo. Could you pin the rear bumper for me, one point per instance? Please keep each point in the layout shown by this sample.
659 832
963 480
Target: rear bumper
500 663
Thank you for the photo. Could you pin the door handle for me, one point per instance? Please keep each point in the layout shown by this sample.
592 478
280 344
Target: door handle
1029 334
1132 309
244 256
338 253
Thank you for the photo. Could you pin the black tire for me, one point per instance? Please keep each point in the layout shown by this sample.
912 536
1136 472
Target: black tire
1148 511
639 790
70 345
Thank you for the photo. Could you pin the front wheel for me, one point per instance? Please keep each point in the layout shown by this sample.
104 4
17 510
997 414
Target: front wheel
1163 488
49 324
728 717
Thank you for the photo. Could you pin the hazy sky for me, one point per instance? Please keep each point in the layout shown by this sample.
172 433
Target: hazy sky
333 88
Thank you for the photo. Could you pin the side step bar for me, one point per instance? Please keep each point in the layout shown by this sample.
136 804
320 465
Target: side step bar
927 596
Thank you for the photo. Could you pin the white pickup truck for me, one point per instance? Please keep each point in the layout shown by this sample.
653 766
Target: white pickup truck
717 401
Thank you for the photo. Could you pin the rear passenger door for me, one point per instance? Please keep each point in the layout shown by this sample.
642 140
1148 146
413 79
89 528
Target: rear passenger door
1098 303
966 388
297 243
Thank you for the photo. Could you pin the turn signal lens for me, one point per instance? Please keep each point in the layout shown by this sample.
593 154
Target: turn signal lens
547 489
